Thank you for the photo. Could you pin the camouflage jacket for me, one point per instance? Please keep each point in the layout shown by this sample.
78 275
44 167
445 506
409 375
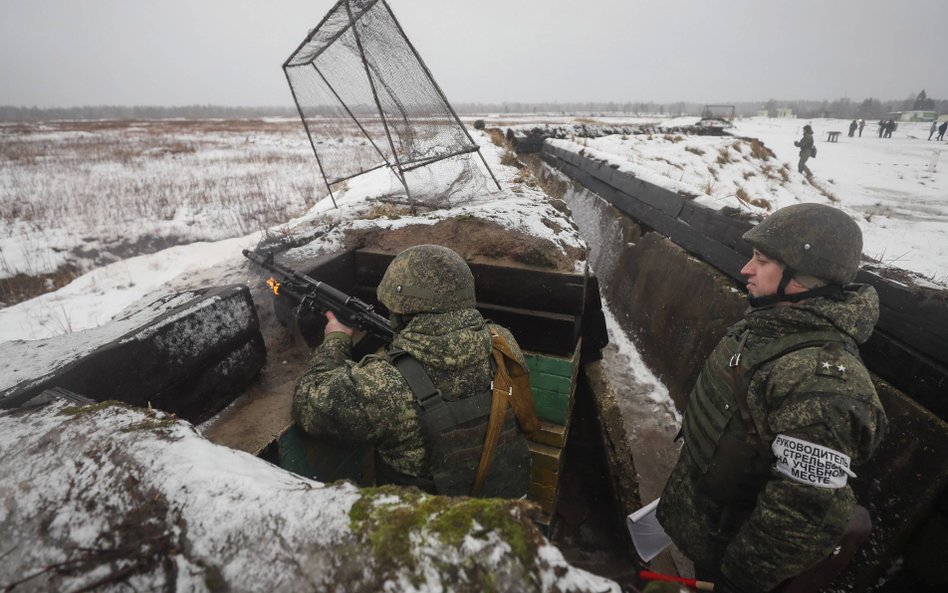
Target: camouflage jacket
370 402
805 144
820 395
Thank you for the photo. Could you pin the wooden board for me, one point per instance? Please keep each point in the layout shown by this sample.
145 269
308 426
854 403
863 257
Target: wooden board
511 285
717 254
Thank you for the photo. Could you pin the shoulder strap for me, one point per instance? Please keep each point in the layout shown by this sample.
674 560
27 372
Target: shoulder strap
511 386
437 416
517 378
787 344
744 367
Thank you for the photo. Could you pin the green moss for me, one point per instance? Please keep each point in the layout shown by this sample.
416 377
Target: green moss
80 410
388 526
470 218
152 424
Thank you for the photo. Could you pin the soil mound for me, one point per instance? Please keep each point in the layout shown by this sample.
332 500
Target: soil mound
475 239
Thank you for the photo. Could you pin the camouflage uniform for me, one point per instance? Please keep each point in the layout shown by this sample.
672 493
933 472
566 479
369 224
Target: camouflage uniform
370 401
806 150
822 395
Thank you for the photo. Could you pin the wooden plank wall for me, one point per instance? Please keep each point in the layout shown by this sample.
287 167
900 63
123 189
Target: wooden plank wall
547 311
909 348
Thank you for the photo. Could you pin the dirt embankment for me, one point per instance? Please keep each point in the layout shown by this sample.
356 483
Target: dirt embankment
476 240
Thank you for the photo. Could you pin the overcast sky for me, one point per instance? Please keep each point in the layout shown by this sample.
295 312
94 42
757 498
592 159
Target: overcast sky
58 53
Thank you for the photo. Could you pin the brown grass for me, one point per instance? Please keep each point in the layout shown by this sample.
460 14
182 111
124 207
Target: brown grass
724 156
784 173
23 287
498 138
694 150
509 159
743 196
759 151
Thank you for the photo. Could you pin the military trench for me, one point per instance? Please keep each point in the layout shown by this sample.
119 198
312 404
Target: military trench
660 270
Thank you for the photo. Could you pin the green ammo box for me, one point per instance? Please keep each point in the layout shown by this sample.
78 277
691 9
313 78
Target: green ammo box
553 379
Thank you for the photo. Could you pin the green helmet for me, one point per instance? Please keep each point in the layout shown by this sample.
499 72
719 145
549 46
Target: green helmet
427 279
812 239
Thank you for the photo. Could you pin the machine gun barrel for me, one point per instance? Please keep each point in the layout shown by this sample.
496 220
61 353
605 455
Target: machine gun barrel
320 297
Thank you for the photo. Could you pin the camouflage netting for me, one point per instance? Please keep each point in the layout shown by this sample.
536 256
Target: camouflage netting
368 101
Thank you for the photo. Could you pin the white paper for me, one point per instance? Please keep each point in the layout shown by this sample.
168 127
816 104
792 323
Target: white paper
648 536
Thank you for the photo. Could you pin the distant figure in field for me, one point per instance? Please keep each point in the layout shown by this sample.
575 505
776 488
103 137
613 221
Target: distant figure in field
862 124
941 129
889 128
806 150
881 127
931 130
852 128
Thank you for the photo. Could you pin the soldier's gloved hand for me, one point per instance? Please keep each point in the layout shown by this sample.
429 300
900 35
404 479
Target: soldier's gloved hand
334 325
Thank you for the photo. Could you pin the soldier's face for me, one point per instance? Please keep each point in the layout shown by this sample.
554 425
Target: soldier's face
763 275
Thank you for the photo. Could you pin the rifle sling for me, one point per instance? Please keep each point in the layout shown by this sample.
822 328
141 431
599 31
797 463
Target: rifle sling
511 386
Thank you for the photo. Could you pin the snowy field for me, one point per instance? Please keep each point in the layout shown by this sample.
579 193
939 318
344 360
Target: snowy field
87 194
895 188
77 195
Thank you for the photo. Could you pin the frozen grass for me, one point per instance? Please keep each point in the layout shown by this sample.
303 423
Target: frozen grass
80 194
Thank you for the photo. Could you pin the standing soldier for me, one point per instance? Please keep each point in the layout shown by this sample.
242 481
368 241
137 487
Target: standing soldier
426 402
862 124
806 150
782 412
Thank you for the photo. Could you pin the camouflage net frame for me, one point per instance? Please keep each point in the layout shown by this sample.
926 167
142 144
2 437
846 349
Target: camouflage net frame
357 80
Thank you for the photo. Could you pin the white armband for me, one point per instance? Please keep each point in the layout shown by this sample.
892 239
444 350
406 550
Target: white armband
812 464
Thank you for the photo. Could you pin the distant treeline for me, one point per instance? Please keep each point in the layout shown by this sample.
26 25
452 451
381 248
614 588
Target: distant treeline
841 108
9 113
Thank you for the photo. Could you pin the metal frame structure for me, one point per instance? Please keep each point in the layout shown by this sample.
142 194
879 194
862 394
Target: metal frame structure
398 166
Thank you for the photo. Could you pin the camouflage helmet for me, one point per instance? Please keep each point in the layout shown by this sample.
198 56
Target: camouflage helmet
427 279
811 239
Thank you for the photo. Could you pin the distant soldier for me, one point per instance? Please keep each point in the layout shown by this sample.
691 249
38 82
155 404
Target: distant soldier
782 414
890 127
942 129
862 124
425 402
852 128
931 130
806 150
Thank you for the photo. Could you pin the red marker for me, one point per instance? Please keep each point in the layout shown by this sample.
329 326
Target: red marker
693 583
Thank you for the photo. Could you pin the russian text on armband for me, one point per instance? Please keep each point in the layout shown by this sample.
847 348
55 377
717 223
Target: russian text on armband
809 463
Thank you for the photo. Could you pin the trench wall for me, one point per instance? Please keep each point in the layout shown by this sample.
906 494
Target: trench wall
676 307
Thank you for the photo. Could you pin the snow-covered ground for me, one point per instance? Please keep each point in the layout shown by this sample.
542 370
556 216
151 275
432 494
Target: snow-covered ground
83 194
97 296
896 188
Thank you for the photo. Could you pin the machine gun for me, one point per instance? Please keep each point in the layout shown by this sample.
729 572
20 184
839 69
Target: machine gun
308 294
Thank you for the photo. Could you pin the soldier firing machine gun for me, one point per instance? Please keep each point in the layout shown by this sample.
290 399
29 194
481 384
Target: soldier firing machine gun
319 297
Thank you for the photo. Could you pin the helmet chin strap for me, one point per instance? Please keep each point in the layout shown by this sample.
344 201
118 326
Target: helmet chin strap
830 291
